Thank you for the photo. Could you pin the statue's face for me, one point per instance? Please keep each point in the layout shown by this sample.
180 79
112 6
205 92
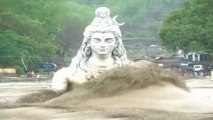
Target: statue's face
102 43
103 14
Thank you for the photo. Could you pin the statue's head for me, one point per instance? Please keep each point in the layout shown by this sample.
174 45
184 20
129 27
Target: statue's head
111 34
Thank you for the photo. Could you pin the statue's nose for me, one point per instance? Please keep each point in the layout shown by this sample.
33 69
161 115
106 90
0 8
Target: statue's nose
102 43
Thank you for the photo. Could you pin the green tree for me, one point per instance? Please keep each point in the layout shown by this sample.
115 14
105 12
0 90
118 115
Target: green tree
70 35
28 29
189 28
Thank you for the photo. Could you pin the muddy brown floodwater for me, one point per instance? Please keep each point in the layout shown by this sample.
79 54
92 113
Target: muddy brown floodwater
131 94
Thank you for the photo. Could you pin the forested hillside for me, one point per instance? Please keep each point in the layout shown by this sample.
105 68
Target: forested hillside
35 31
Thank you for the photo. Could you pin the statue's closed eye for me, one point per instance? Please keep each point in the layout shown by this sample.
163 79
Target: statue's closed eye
96 40
109 40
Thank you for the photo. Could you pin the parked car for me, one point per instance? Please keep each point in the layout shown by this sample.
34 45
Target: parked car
197 68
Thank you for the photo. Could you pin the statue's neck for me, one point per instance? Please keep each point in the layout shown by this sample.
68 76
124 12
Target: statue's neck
101 57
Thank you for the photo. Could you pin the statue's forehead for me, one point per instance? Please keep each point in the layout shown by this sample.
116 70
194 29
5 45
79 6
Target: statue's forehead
101 35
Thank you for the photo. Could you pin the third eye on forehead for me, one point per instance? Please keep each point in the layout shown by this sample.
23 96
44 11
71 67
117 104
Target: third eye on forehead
102 36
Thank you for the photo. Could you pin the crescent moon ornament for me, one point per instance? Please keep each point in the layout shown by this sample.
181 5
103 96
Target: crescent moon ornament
115 21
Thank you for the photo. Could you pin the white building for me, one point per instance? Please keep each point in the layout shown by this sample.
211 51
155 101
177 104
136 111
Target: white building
198 57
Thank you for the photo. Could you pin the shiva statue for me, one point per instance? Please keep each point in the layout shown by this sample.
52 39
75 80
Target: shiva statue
102 49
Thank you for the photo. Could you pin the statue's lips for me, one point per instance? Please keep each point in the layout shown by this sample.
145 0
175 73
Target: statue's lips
102 49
